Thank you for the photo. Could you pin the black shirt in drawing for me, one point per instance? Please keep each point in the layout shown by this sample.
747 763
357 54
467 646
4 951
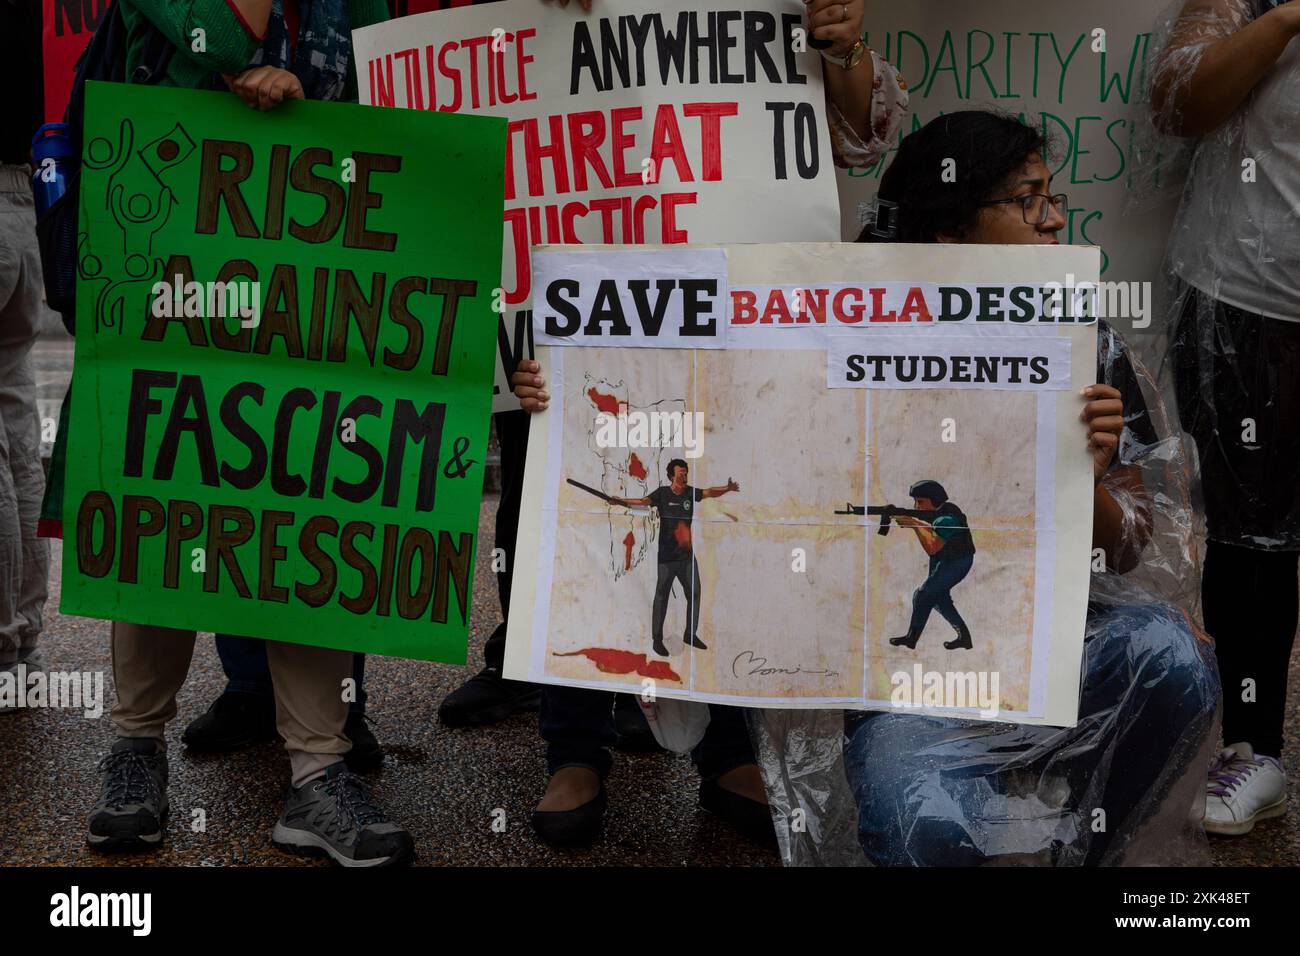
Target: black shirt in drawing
675 514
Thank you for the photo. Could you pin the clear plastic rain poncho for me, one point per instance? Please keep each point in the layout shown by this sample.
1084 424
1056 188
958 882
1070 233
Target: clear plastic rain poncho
1233 258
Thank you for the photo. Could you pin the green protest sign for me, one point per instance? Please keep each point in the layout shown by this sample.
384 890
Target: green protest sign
285 346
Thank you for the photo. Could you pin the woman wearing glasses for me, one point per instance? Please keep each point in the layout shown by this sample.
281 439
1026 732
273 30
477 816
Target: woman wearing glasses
947 792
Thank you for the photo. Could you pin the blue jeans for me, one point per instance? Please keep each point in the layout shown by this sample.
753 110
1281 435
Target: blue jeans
247 672
945 792
578 727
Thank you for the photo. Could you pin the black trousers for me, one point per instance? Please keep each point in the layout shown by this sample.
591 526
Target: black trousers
1251 602
512 434
1231 366
578 727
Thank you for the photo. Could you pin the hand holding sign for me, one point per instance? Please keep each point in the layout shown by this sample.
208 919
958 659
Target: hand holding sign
1104 414
527 385
265 87
840 23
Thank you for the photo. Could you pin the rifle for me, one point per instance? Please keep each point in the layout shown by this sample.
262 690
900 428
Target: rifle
887 514
590 490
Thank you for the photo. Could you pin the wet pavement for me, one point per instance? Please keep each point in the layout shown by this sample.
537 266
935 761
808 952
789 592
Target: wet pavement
447 786
443 784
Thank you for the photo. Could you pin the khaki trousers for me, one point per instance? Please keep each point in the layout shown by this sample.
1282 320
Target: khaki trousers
24 558
150 665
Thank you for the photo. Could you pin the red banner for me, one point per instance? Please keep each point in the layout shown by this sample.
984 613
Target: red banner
68 27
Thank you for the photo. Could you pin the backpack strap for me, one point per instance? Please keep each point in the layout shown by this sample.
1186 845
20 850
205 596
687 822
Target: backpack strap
104 58
154 57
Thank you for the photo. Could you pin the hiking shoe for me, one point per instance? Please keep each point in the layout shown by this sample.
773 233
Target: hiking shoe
487 698
366 754
234 721
132 806
1241 789
335 816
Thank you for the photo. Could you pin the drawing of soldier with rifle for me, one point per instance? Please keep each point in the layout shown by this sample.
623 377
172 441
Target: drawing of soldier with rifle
944 533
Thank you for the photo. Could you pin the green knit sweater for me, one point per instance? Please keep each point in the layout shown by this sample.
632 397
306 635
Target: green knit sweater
229 46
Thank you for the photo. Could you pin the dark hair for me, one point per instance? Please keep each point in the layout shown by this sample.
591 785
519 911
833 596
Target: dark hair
673 464
988 148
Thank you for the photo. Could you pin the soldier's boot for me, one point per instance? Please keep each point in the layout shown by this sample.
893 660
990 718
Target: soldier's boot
961 641
908 640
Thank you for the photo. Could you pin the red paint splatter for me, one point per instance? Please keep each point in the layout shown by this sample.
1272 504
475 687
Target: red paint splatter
635 468
611 661
628 542
603 402
682 535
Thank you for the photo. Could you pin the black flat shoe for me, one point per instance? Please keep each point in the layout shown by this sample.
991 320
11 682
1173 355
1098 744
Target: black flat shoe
487 698
695 642
907 640
366 754
572 828
234 721
753 820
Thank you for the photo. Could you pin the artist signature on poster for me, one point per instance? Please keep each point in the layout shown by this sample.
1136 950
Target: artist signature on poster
758 665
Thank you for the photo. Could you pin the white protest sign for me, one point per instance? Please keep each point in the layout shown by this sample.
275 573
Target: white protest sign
722 523
1074 70
641 122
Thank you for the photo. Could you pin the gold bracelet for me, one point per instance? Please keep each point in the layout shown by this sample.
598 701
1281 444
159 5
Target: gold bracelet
850 59
854 56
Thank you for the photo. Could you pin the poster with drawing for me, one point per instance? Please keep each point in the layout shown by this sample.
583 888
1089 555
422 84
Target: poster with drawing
811 475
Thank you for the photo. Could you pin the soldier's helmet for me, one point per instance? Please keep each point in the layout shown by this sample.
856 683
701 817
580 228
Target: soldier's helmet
929 489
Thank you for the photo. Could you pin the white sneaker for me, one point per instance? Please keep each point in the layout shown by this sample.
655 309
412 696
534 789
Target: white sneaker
1241 789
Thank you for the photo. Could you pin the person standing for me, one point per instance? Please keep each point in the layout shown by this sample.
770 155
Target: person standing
24 557
866 104
1228 80
267 52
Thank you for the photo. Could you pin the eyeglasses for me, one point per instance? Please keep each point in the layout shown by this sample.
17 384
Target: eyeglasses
1034 206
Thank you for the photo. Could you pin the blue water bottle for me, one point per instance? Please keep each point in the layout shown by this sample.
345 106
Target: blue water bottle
52 151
